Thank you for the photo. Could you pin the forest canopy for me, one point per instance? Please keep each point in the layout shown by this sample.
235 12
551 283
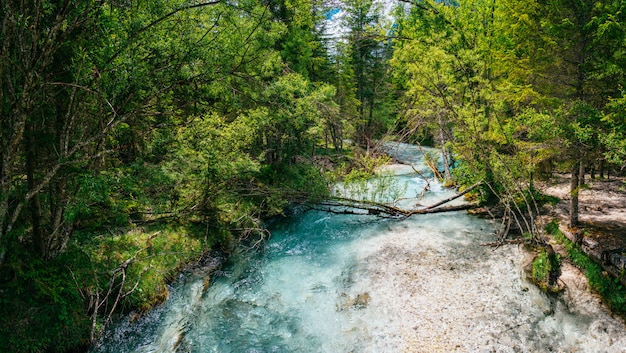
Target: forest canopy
134 129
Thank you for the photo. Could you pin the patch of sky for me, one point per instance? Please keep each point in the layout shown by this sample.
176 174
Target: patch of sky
332 12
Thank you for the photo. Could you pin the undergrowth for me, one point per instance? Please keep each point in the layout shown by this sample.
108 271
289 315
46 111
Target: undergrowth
544 267
611 290
47 306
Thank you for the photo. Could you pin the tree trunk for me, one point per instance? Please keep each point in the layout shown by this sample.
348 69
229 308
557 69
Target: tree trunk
339 138
446 164
574 189
445 156
592 170
59 233
34 204
601 169
581 174
490 196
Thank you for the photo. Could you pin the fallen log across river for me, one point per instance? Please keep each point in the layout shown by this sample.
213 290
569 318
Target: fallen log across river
341 205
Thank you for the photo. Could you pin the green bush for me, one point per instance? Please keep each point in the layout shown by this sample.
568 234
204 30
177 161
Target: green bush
541 267
546 269
45 304
41 308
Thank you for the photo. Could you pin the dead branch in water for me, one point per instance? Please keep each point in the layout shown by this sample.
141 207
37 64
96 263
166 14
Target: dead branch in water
454 197
427 187
352 209
441 209
431 164
340 205
351 205
500 242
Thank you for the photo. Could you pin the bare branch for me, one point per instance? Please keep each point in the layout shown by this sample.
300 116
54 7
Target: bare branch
454 197
189 6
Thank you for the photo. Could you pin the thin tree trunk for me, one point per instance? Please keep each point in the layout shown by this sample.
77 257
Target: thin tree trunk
340 138
59 233
444 152
445 158
446 164
574 189
601 169
592 170
35 204
581 173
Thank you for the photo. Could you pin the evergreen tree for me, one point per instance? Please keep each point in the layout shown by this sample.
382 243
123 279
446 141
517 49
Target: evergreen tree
369 55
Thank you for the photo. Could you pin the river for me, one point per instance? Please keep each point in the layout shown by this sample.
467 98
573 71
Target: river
357 283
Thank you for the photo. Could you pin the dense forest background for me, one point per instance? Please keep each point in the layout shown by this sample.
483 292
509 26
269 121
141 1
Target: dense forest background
138 135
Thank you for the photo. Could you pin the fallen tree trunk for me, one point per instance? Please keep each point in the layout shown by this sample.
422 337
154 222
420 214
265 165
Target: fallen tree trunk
358 208
342 205
354 209
441 209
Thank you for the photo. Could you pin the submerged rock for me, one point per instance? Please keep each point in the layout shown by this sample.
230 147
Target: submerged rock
360 301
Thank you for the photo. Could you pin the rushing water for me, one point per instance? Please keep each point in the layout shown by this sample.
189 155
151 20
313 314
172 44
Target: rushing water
357 283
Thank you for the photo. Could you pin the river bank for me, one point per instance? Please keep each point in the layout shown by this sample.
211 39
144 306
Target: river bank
602 228
596 247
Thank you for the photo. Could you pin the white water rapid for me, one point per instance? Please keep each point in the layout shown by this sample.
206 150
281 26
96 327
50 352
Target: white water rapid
345 283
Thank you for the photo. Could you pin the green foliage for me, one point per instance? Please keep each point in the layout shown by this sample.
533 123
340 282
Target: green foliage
158 253
365 60
59 292
581 126
493 81
465 176
615 138
55 320
541 267
119 196
364 179
291 183
297 44
147 132
381 187
293 116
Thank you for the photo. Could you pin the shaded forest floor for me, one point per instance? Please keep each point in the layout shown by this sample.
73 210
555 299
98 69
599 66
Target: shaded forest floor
602 211
602 236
